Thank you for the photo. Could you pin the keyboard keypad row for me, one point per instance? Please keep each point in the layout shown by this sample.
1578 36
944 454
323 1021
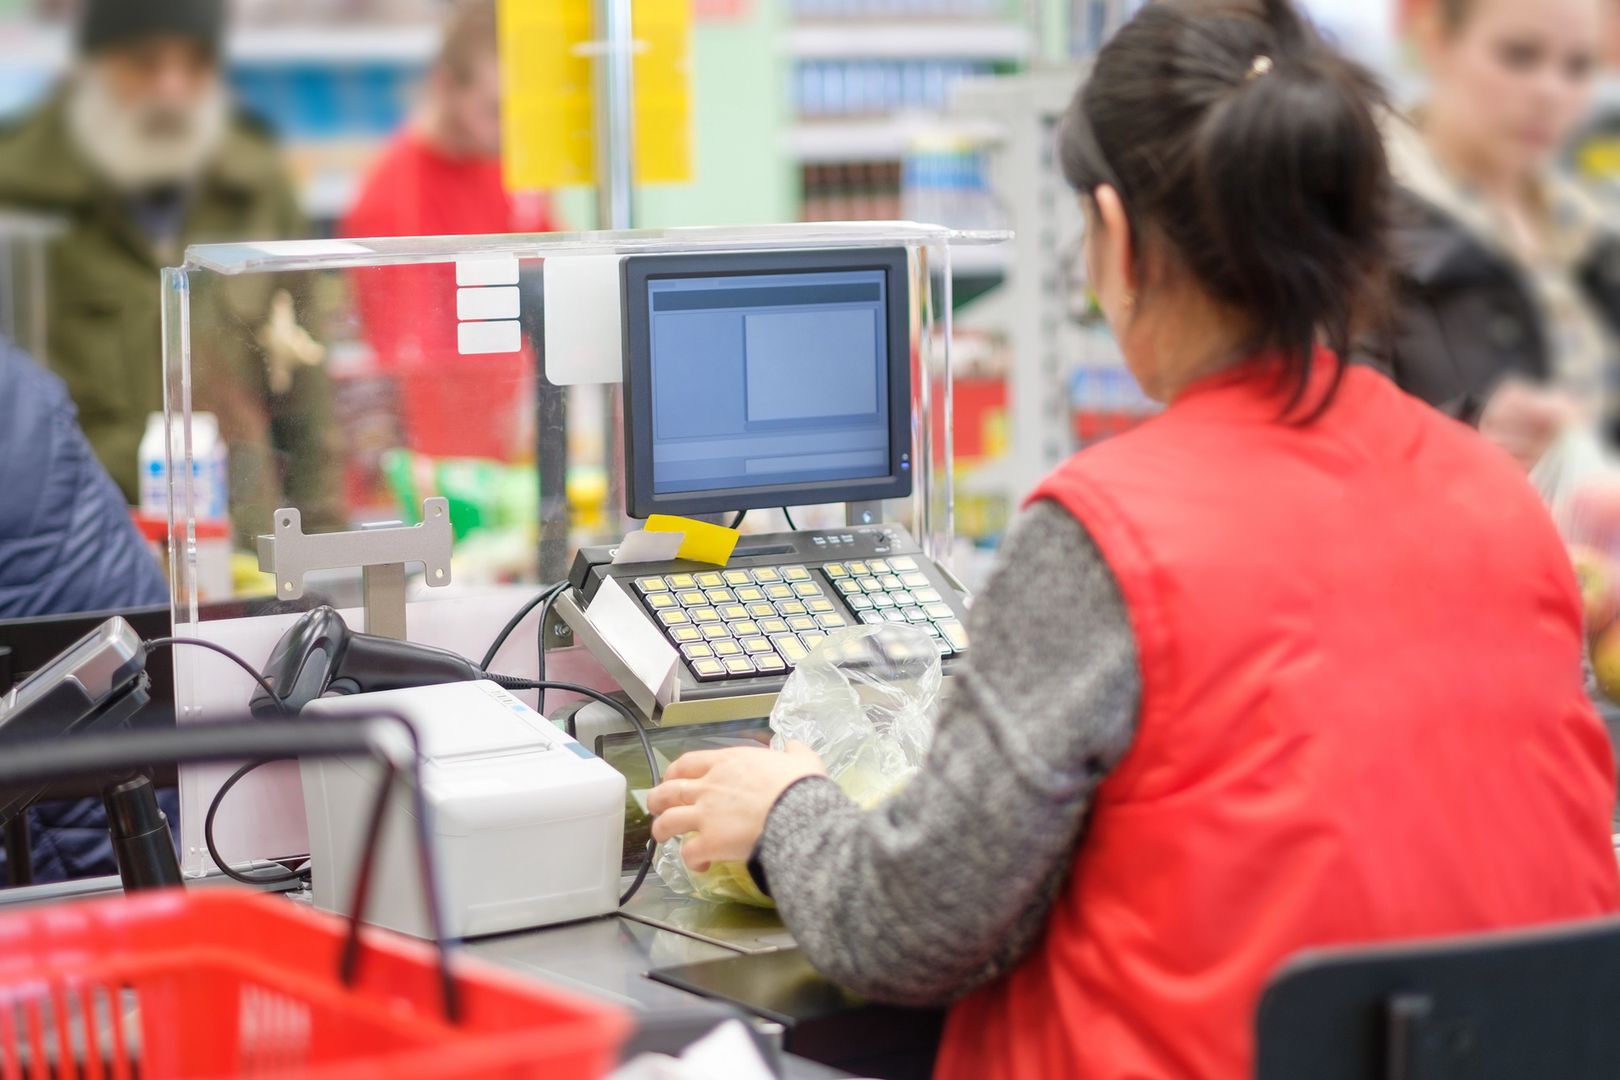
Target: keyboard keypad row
734 624
895 590
739 623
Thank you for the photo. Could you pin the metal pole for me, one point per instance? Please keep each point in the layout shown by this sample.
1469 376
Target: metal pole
615 181
615 116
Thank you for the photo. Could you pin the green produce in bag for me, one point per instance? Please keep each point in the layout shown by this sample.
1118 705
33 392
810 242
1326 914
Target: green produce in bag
864 701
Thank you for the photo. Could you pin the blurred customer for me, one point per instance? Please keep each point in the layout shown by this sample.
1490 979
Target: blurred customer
1508 304
442 177
66 545
139 152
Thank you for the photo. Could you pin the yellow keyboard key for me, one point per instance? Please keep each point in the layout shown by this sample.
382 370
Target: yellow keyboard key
791 648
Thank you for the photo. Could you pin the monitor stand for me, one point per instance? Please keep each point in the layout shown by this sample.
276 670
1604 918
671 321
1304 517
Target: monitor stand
864 513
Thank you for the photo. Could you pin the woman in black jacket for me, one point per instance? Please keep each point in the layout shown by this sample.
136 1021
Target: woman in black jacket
1509 275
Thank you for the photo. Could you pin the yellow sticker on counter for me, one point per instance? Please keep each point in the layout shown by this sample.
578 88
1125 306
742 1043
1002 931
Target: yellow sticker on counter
705 543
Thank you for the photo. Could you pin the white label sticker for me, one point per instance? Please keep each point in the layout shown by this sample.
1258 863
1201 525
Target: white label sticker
584 327
497 302
473 338
487 270
643 546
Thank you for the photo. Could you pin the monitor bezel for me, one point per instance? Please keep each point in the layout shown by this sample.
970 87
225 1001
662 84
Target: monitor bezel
639 270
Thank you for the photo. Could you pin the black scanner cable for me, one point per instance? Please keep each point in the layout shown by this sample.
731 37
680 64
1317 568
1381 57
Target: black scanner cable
507 682
275 877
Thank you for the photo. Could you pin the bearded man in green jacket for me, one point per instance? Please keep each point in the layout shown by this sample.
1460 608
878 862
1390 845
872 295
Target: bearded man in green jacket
137 154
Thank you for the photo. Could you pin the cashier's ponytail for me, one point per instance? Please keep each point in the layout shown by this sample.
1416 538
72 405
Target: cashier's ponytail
1248 152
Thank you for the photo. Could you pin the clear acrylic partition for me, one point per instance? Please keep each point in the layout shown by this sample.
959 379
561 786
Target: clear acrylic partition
353 379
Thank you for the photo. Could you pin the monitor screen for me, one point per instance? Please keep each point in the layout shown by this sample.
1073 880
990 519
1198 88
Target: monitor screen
766 380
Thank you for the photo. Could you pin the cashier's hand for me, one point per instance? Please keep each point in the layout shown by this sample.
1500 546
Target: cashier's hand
719 799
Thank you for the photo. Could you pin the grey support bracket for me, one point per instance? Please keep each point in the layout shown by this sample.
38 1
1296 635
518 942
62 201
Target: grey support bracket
381 552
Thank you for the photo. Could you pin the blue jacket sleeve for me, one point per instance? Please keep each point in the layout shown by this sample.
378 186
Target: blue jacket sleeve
66 540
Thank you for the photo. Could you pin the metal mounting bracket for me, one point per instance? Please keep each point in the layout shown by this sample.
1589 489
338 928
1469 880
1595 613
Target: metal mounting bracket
380 551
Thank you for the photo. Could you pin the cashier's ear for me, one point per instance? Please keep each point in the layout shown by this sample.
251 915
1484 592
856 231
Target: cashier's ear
1113 262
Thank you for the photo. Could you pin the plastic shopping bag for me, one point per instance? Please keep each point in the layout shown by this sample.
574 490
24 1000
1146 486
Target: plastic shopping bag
864 700
1579 480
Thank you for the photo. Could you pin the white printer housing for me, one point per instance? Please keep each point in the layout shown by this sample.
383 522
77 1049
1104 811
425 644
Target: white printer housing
529 824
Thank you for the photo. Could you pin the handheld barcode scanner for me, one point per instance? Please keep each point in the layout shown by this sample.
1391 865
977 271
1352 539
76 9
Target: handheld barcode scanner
321 657
97 684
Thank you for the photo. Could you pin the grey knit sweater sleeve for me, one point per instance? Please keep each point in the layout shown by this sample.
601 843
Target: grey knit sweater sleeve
948 884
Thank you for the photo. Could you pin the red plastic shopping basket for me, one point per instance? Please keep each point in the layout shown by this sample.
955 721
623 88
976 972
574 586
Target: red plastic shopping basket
226 983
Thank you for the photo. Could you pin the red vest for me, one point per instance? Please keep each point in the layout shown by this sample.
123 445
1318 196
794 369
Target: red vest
1362 719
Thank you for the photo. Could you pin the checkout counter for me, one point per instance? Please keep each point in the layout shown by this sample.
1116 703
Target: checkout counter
758 370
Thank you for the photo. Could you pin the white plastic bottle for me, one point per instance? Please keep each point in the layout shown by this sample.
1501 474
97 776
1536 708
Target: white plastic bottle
154 468
208 469
209 457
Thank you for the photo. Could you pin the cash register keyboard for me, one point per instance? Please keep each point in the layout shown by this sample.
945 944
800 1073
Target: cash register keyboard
743 623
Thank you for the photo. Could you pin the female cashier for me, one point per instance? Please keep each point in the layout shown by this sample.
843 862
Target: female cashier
1297 662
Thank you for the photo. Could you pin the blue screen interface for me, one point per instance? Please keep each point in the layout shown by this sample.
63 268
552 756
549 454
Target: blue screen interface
767 380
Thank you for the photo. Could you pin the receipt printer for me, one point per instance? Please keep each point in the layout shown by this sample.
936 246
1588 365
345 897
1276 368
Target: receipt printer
529 824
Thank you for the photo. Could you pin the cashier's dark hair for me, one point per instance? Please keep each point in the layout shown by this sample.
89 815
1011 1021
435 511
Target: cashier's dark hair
1247 153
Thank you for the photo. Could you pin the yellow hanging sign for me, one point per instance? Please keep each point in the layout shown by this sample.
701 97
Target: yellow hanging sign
548 92
663 91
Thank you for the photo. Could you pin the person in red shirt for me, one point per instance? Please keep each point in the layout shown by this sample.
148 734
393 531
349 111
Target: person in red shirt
441 176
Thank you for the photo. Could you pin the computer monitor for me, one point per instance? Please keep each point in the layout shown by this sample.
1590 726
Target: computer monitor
766 379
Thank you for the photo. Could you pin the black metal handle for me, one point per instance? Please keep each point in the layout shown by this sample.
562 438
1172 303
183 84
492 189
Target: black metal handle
213 742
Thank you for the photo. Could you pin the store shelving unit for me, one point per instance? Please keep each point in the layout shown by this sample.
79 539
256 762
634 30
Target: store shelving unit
902 39
870 78
885 138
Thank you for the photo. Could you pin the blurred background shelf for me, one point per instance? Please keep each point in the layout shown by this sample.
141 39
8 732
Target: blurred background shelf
878 139
25 47
407 45
910 39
